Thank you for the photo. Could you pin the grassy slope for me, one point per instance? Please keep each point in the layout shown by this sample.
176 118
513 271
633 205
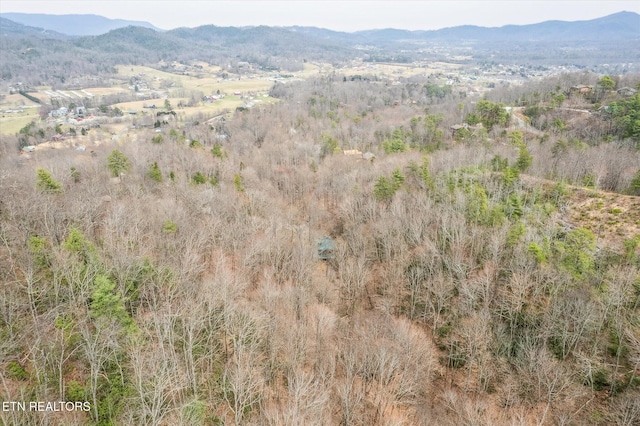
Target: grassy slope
611 217
11 123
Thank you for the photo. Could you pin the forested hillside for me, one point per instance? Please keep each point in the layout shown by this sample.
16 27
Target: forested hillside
479 262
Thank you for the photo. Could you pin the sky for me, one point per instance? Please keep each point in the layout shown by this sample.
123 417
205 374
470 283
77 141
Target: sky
331 14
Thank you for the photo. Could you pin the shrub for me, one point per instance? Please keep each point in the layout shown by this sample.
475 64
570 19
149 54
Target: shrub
394 145
524 160
77 243
514 208
194 413
634 187
118 163
516 139
199 178
384 189
630 246
398 178
38 246
559 194
491 114
510 175
464 135
75 174
46 183
589 181
106 303
75 392
477 204
218 152
238 183
154 173
576 252
329 146
538 252
599 380
498 163
16 371
169 227
516 232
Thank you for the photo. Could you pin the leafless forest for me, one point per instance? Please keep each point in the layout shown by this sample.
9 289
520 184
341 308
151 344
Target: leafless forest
177 279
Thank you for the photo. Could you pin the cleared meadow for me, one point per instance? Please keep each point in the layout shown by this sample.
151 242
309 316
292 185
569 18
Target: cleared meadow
12 122
203 80
194 83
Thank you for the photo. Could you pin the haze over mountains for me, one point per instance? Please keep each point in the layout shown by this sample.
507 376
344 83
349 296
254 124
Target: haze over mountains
620 25
54 49
74 25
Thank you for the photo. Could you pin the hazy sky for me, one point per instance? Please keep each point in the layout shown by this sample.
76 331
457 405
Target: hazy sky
332 14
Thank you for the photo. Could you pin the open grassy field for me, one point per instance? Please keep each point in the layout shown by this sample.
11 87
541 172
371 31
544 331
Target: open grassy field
126 71
15 101
11 123
228 103
311 69
104 91
388 69
206 82
230 86
44 93
398 70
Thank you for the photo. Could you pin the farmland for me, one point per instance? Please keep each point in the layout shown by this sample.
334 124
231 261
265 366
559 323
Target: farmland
154 87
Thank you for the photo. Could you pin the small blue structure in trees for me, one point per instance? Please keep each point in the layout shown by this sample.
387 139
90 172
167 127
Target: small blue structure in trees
326 245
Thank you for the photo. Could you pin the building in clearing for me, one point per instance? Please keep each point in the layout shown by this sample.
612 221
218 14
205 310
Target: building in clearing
326 246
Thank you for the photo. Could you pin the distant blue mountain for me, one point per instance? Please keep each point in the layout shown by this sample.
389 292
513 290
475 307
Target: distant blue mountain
622 25
74 25
31 52
9 28
618 26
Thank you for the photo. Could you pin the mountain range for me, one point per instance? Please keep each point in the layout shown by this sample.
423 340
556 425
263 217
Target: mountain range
622 25
73 25
54 49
